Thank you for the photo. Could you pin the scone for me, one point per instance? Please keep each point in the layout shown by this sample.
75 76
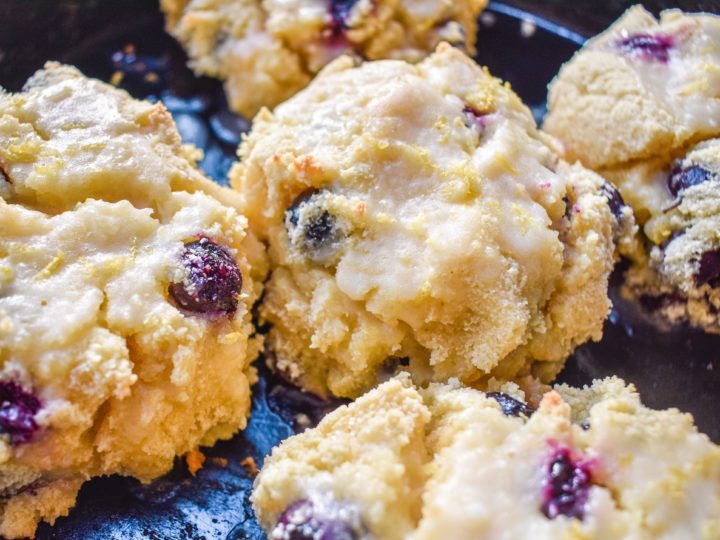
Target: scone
267 50
635 104
452 462
416 217
125 290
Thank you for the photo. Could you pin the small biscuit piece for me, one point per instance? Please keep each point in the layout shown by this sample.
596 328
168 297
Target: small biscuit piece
267 51
641 89
416 216
676 278
125 294
453 462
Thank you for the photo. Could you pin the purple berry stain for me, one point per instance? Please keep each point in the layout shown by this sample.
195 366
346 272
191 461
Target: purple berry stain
567 484
511 406
18 408
212 281
682 178
303 520
649 47
339 13
473 117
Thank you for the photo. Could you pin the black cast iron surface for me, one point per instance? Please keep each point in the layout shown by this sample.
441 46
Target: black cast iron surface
104 38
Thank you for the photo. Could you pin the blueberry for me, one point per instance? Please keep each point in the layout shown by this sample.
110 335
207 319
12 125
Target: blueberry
319 230
17 412
615 200
682 178
303 520
292 214
313 228
566 486
568 207
339 13
511 406
651 47
473 117
709 267
653 303
212 281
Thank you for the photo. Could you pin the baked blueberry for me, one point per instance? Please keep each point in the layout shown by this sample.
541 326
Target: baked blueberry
511 406
566 486
212 281
473 117
312 227
17 412
682 178
708 267
340 12
658 302
304 520
651 47
615 200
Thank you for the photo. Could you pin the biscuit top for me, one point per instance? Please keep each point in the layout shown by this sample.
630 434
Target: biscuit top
428 196
676 58
643 88
410 160
66 138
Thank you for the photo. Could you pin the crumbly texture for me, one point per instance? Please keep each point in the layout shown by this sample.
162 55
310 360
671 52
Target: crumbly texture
98 198
445 462
415 216
635 104
676 278
641 89
267 50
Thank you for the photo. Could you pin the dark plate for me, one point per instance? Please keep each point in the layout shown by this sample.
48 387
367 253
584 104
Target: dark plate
678 369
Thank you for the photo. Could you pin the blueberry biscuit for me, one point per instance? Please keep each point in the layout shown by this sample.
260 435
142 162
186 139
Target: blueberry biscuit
453 462
265 51
416 217
640 104
125 288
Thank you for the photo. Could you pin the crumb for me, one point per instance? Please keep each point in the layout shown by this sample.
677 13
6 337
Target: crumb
116 78
194 460
221 462
250 465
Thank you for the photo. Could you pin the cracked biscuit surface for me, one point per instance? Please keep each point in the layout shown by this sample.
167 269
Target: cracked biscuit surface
267 50
415 216
125 289
453 462
641 104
